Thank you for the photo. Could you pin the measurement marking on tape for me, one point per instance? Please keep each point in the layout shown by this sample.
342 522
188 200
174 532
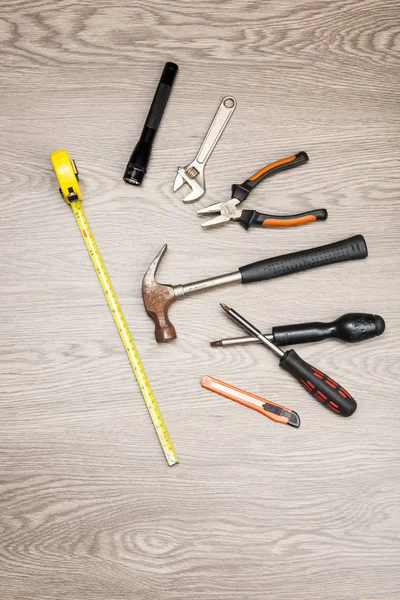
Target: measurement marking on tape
125 334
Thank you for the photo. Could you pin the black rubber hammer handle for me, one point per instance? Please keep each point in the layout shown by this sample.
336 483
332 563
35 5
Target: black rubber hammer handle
353 248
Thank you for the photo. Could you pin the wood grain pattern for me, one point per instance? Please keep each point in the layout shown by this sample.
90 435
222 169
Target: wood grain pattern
254 511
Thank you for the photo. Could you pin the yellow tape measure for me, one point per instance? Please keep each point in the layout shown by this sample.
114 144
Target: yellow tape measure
67 175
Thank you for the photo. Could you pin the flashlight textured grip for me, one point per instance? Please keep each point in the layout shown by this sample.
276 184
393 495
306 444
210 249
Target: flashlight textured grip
158 106
161 96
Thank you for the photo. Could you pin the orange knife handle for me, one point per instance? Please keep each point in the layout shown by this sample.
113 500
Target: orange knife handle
252 217
275 412
240 192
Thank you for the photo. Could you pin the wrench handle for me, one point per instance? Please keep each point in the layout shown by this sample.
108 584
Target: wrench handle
352 248
220 121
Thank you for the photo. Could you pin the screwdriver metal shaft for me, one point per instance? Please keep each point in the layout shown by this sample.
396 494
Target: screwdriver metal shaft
240 341
253 330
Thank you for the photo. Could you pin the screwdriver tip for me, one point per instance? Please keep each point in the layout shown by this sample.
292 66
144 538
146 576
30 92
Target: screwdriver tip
224 306
215 344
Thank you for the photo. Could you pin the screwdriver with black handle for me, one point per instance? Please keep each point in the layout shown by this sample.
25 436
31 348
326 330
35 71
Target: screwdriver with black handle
351 328
324 389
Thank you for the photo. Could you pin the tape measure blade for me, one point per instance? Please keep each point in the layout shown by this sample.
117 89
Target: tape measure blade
125 335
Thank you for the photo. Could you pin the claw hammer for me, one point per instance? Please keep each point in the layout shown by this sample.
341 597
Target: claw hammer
158 297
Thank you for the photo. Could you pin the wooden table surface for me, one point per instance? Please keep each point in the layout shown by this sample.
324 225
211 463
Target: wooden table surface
89 509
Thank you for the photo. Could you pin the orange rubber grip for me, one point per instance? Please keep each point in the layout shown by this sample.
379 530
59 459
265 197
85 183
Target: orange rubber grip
277 163
288 222
241 191
253 217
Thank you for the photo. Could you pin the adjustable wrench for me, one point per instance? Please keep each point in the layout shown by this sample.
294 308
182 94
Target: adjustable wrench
193 173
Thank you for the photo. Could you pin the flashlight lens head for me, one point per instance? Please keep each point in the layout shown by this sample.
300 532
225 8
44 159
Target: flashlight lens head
133 175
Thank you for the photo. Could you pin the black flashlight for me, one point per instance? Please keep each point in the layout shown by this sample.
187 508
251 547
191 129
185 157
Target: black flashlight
137 165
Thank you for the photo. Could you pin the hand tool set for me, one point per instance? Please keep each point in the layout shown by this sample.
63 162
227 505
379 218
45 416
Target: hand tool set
157 297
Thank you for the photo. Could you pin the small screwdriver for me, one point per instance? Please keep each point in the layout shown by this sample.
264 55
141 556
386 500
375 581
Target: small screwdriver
351 327
320 386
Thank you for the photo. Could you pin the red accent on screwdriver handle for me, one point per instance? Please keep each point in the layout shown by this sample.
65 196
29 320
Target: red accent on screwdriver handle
320 386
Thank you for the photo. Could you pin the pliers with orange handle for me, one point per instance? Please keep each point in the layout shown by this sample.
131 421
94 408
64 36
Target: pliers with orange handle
228 210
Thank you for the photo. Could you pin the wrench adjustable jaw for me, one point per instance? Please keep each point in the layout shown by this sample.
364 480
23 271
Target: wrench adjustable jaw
193 175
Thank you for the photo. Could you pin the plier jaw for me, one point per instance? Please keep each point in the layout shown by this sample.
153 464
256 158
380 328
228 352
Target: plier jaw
227 211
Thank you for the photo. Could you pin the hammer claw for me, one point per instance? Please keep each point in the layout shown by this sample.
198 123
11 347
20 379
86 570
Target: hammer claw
157 298
149 276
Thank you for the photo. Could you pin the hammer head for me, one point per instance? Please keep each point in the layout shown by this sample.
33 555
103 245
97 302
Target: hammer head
157 299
